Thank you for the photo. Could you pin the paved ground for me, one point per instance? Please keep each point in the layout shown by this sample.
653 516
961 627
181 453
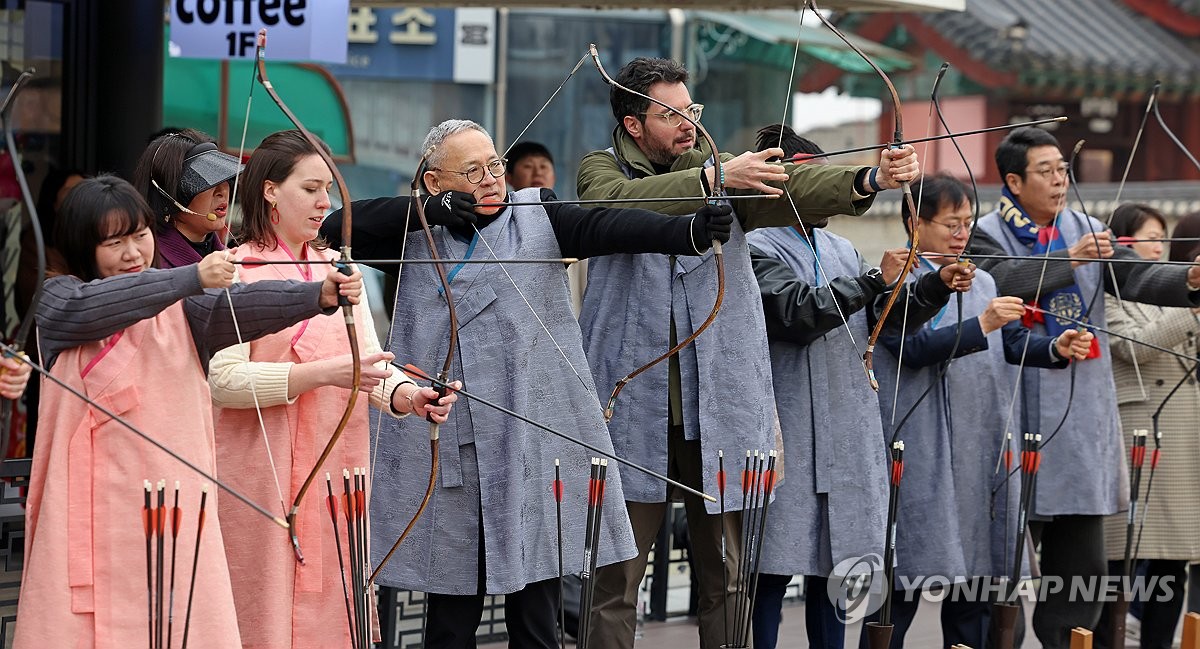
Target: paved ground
680 633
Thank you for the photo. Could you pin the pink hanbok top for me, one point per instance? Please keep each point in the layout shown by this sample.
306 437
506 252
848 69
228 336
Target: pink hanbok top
280 603
87 588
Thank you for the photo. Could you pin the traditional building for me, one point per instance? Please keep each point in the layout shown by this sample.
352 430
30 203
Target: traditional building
1094 61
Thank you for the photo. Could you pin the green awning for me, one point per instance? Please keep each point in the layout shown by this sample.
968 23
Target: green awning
776 34
193 88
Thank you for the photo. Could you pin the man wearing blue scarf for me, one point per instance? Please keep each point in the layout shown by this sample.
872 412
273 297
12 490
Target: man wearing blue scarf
1081 477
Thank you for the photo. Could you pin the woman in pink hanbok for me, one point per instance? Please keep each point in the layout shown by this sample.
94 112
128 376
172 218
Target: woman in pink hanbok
137 341
291 389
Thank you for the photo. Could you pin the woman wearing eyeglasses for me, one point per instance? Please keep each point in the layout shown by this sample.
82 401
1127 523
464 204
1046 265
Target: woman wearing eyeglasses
957 434
186 180
278 401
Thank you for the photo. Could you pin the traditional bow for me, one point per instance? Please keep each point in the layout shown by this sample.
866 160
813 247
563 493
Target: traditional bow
22 332
897 139
347 308
718 190
880 633
443 376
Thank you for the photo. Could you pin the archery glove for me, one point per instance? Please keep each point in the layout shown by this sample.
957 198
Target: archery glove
451 209
711 222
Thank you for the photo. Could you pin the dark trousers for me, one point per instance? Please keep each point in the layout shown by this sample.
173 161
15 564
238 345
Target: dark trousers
530 614
963 622
1160 612
614 612
904 609
821 616
1072 546
1193 597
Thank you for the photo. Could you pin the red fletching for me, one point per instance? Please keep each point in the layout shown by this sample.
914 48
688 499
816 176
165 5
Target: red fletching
176 520
200 523
1008 460
360 503
160 520
557 487
1153 459
1037 461
331 504
148 521
745 480
346 503
1126 241
721 481
600 493
769 482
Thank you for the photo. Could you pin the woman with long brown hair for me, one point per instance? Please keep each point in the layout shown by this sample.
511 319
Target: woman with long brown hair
291 389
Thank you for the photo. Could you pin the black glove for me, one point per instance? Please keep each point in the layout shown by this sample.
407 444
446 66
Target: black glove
712 222
451 209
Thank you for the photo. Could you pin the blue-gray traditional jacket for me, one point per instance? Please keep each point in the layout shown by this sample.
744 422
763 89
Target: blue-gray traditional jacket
833 505
487 457
1083 464
949 524
728 403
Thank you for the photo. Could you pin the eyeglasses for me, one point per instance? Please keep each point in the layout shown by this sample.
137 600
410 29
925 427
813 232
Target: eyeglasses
674 120
1047 172
956 228
475 174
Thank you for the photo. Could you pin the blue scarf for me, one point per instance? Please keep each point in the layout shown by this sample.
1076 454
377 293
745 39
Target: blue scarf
1068 300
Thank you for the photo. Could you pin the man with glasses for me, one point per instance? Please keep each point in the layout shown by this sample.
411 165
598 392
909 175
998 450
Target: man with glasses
1082 477
715 394
489 528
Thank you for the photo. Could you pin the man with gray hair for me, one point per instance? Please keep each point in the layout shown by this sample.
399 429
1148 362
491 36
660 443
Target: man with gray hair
490 526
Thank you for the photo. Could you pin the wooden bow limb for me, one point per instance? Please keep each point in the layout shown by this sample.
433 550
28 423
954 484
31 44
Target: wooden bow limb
718 193
347 308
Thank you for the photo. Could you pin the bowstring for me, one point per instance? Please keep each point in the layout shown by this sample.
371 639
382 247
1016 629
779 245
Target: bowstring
387 345
803 229
929 130
233 199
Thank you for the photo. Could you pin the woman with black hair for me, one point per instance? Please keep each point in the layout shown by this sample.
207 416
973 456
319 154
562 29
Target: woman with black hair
1144 378
186 180
136 341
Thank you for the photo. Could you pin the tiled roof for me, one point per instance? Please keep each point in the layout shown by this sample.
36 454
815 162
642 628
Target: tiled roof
1092 45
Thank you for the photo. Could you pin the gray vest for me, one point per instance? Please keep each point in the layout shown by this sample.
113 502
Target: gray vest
1082 466
728 401
953 442
834 503
488 457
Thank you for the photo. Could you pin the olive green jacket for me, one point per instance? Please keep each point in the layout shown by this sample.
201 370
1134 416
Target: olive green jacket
819 191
